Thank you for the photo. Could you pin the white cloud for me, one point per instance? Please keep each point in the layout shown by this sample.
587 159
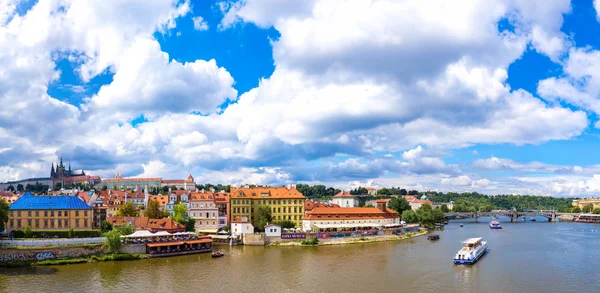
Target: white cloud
597 7
199 23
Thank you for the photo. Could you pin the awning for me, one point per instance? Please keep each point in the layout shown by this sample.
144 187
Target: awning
219 236
198 241
347 225
208 230
164 244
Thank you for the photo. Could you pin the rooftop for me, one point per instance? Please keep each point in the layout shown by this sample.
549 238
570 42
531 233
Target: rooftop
46 202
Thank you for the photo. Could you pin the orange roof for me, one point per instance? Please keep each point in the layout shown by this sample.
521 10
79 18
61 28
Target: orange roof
202 196
409 198
161 199
221 197
371 188
386 200
164 244
174 181
309 205
240 220
130 179
343 194
421 201
145 223
349 213
268 192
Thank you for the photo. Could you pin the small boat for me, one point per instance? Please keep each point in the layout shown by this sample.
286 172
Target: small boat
495 225
473 249
218 253
433 237
461 225
533 219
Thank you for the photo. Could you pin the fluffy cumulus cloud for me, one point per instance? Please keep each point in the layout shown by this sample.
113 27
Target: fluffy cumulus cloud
350 99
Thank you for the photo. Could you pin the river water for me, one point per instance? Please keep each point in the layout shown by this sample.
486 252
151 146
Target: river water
523 257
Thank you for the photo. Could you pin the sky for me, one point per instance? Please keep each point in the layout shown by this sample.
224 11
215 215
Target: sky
493 96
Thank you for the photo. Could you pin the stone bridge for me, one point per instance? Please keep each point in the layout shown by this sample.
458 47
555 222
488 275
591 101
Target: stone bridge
513 215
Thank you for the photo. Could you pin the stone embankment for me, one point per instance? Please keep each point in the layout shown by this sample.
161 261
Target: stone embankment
353 240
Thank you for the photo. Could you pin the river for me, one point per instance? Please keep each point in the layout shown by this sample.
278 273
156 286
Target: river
523 257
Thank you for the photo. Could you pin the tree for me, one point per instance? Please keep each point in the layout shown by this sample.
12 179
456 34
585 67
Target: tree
587 208
105 226
128 209
413 192
438 215
165 189
11 188
104 187
20 187
486 208
444 208
576 210
190 225
113 240
399 204
264 217
3 213
57 186
125 229
153 211
287 224
410 216
27 232
180 213
596 211
403 191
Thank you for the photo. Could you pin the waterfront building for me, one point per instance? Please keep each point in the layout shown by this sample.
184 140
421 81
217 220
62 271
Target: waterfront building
273 230
119 182
346 200
595 202
145 223
345 219
241 225
286 203
204 210
222 202
45 212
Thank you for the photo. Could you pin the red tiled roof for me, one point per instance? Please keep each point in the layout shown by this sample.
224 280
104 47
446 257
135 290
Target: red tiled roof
130 179
145 223
271 192
349 213
343 194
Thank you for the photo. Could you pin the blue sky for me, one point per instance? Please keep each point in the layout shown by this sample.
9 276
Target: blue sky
487 96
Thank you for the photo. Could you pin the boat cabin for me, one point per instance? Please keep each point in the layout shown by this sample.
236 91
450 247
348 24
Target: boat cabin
471 243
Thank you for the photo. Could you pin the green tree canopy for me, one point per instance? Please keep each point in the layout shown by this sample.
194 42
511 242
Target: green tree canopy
576 210
399 204
287 224
3 213
128 209
444 208
180 213
153 211
264 217
20 187
596 211
10 188
409 216
588 208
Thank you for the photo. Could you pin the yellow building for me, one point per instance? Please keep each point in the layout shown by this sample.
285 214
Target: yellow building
286 203
595 202
49 213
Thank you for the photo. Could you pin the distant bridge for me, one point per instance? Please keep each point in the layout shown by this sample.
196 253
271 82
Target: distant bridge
513 215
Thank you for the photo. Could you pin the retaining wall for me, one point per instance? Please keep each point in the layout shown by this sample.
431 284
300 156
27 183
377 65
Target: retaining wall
133 248
26 254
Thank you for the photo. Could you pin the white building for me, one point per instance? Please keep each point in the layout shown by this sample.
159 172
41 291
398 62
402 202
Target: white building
204 209
345 219
241 226
345 200
273 230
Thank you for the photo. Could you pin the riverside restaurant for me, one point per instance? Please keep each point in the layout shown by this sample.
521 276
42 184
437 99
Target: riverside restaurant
161 244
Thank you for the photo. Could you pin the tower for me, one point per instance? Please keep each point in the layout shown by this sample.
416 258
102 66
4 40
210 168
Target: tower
52 173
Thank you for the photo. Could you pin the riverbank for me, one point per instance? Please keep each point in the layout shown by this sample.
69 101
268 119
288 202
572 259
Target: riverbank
354 240
67 261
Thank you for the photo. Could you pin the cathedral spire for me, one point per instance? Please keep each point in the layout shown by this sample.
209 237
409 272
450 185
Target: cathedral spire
61 163
69 167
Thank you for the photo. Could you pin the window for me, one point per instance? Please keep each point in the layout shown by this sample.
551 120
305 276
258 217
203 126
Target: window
85 223
59 224
51 224
45 223
77 223
18 215
29 213
45 213
207 216
279 210
29 223
12 223
11 214
76 213
85 213
66 224
60 213
19 221
52 214
37 223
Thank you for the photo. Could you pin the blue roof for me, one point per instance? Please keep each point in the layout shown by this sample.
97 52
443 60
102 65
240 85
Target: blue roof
45 202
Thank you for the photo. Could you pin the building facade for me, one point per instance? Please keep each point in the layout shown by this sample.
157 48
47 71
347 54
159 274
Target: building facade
595 202
205 211
345 200
346 219
222 202
286 203
119 182
145 223
45 212
273 230
240 226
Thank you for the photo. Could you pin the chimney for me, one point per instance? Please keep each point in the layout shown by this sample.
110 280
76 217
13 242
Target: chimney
202 190
382 205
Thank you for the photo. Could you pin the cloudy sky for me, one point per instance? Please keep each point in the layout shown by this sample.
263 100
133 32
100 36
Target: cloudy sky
489 96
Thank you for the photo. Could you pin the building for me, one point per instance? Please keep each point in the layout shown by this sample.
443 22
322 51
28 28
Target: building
346 200
374 202
349 219
222 202
240 226
372 191
416 203
286 203
205 211
449 205
61 174
310 205
595 202
99 210
176 197
45 212
273 230
119 182
9 197
145 223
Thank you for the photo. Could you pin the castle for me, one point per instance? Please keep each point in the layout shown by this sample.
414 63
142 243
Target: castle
68 177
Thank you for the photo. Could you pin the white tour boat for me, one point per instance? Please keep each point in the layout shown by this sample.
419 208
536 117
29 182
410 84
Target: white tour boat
474 248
